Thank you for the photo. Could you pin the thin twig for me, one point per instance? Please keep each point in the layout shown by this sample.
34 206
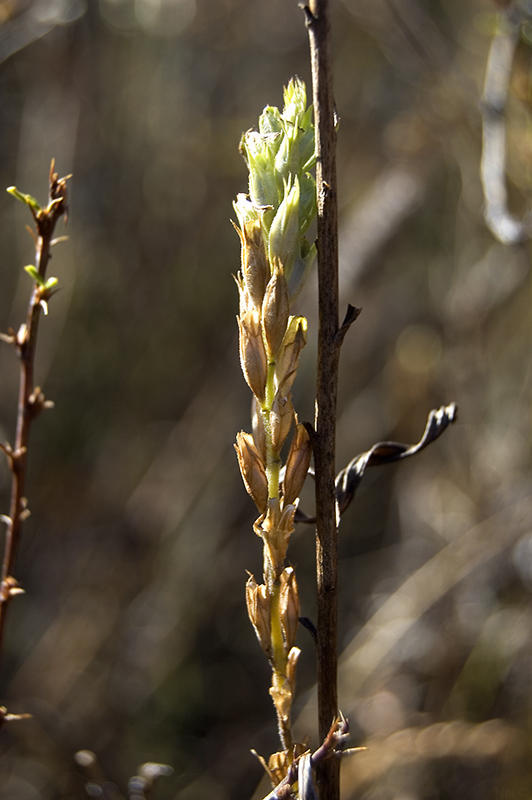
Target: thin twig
317 20
31 400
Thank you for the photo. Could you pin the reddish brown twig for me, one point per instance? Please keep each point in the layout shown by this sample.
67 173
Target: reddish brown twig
31 399
329 341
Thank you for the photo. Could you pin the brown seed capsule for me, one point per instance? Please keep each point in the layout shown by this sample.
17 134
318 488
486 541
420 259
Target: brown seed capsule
289 607
252 469
258 606
252 353
245 300
297 464
281 417
293 655
286 527
275 311
294 340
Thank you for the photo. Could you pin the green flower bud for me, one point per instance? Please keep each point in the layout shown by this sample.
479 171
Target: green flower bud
282 193
260 155
245 210
284 241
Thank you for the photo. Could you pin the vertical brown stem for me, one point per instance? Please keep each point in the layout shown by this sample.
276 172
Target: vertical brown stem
317 16
31 400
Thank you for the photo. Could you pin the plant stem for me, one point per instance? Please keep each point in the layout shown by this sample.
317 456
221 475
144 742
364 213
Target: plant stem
31 400
271 571
317 17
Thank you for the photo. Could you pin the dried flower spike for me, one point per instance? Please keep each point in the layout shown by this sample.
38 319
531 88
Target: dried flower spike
272 221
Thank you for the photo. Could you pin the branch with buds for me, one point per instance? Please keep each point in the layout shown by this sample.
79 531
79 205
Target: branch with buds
276 257
31 399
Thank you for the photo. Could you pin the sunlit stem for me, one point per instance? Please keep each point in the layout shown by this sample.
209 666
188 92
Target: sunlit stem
279 657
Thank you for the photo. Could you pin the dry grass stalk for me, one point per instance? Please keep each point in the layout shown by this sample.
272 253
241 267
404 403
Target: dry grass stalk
275 259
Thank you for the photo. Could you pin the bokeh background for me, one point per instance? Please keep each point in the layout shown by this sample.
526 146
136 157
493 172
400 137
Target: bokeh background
132 640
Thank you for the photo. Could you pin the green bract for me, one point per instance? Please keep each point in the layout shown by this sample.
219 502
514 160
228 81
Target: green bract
282 192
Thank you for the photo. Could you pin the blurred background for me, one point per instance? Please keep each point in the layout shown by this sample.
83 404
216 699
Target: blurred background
132 640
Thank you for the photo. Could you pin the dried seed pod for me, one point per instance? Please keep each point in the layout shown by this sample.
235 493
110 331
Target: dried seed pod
293 656
275 311
297 464
289 607
246 303
258 605
255 268
285 528
281 417
252 469
294 340
252 353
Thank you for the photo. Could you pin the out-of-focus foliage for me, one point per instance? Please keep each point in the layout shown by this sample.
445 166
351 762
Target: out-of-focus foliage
132 640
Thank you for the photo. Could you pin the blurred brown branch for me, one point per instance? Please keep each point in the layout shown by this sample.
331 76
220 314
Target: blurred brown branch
31 399
501 222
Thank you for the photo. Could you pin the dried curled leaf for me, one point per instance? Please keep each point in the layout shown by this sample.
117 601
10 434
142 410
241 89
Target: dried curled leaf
349 478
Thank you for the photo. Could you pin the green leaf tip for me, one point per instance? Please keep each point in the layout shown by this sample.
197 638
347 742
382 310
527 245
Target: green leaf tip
25 198
47 287
33 273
